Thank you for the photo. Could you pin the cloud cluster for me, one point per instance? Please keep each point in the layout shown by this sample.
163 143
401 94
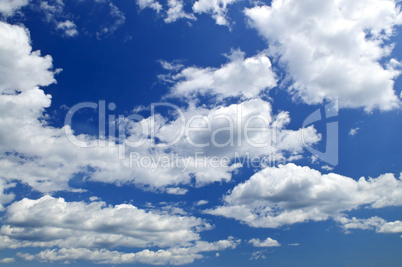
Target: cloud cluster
44 158
333 49
175 9
374 223
172 256
245 77
291 194
84 231
217 8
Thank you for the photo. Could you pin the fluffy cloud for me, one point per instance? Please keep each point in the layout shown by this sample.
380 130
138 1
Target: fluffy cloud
291 194
82 231
374 223
240 77
176 11
332 49
173 256
54 222
269 242
218 9
45 158
8 7
20 68
149 4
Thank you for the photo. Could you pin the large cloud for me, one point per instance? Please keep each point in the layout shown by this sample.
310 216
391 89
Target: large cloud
291 194
83 232
44 158
172 256
332 49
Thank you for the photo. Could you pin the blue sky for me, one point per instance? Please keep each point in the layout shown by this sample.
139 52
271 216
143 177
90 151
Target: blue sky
205 132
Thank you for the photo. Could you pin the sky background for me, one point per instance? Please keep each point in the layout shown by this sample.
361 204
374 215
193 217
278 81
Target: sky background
284 60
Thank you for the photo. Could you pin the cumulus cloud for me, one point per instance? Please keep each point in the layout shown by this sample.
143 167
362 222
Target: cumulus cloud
84 231
176 12
217 8
269 242
149 4
52 221
173 12
44 158
374 223
172 256
333 49
240 77
8 7
291 194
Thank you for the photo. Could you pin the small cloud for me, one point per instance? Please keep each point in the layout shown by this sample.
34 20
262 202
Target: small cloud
269 242
313 159
353 131
69 28
94 198
217 254
258 255
201 202
7 260
176 191
327 168
294 244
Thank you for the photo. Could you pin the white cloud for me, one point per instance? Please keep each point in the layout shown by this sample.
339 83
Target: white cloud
269 242
172 256
374 223
327 168
7 260
52 9
69 28
201 202
49 221
73 231
176 191
332 49
8 7
217 8
20 68
176 12
43 157
291 194
240 77
149 4
354 131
